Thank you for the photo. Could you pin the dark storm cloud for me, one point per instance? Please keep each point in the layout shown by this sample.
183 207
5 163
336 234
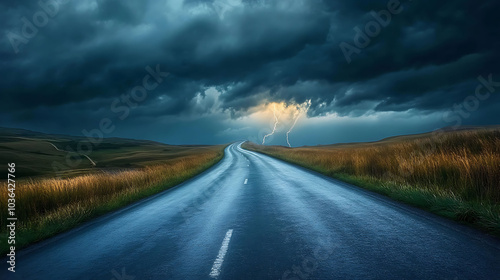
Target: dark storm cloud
426 59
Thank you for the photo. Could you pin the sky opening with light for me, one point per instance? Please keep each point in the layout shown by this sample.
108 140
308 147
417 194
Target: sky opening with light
216 71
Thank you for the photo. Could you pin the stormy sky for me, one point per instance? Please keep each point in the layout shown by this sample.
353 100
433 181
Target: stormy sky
215 71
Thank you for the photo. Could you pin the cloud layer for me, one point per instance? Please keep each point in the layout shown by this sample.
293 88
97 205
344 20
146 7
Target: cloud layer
226 57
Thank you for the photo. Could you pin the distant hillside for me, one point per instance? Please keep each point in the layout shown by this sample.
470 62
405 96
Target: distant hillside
35 153
400 138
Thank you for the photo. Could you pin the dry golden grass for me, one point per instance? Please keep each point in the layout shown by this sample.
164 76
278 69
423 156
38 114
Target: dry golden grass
466 163
48 206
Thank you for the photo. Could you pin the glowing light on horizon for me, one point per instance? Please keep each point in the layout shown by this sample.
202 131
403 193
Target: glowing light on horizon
285 114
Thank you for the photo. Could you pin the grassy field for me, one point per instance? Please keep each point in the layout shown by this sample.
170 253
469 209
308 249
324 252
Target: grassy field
36 157
126 171
455 174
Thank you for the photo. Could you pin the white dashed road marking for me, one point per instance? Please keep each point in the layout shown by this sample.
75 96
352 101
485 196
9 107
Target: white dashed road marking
220 257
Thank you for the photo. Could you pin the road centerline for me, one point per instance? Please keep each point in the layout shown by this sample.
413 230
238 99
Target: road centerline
216 267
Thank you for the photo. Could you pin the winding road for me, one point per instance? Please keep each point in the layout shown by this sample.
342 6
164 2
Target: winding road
255 217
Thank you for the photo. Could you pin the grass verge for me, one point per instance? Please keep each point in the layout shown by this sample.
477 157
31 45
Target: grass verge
46 207
452 174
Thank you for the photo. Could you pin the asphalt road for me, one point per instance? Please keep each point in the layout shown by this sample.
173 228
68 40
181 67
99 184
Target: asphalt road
254 217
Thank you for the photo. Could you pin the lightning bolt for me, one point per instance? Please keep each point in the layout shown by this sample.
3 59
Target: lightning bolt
276 121
296 115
